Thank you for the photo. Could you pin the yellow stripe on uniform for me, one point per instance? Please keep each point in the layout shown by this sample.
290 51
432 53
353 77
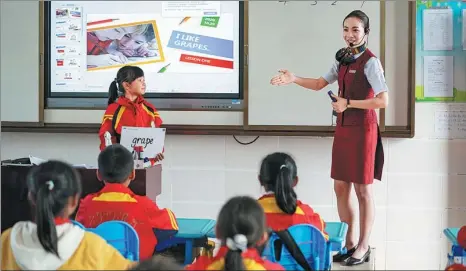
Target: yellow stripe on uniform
172 219
115 197
270 206
120 114
154 115
106 118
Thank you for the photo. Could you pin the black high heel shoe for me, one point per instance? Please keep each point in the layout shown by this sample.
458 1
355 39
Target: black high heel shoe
339 257
365 259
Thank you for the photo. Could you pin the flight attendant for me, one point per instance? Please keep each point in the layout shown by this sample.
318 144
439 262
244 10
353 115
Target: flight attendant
357 152
127 107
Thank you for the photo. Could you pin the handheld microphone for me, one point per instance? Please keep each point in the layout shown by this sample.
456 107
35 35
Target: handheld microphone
330 93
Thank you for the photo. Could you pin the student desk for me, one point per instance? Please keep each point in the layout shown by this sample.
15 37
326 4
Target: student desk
147 182
191 229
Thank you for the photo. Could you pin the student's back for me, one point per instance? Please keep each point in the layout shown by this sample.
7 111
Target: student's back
52 242
278 176
242 231
117 202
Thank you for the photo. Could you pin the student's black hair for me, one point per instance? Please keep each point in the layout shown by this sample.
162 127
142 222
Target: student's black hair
359 14
158 262
125 74
115 164
50 185
240 215
277 174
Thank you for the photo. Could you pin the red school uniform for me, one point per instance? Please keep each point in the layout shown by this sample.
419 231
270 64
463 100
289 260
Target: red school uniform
251 260
357 152
277 220
124 112
118 202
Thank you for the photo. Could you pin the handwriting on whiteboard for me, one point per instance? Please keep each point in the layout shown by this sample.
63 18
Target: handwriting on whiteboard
450 124
314 3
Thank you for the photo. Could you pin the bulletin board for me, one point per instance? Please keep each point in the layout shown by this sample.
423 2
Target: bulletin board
440 51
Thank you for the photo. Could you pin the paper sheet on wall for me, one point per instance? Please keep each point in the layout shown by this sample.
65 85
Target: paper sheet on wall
450 124
438 29
464 29
438 76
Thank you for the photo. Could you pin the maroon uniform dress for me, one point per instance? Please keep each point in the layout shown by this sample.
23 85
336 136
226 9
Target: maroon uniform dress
357 153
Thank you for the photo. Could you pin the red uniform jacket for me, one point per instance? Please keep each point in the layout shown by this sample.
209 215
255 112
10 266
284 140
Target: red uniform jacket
277 220
124 112
251 261
118 202
456 266
357 154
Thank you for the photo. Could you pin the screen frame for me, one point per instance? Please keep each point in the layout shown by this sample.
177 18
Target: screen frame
48 94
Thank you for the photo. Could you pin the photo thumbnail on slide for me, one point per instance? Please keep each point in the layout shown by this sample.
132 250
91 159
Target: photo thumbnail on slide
135 43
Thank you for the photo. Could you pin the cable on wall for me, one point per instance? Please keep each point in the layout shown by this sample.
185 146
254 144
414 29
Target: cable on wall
246 143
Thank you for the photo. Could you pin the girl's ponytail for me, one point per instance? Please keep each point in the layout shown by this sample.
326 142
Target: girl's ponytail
45 219
234 261
284 193
112 92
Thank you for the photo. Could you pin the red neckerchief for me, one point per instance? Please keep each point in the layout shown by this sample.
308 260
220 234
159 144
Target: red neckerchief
61 220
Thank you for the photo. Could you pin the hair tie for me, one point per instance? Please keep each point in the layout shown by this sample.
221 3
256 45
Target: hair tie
50 185
282 166
116 83
238 242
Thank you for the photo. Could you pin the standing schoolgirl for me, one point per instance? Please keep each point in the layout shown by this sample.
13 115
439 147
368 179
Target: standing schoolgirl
357 154
242 231
278 176
127 106
52 241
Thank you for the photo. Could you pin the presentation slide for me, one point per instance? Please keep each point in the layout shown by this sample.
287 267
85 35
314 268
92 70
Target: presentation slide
182 46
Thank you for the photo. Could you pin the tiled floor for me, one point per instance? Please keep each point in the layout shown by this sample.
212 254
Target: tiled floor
367 266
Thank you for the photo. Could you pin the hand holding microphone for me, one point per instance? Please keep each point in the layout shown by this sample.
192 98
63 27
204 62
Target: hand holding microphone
339 104
330 94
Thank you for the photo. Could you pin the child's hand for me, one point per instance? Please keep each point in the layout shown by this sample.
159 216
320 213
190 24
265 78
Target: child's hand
145 51
159 157
121 56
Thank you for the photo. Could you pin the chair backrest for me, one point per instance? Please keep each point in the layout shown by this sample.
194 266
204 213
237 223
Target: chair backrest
121 235
309 239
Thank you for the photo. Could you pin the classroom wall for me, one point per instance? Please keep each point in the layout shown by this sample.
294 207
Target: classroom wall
421 192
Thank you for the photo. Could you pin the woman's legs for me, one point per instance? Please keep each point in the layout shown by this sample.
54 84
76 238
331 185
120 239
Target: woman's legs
366 217
345 210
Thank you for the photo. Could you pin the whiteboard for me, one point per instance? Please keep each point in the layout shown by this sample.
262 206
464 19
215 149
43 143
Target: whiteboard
302 38
19 61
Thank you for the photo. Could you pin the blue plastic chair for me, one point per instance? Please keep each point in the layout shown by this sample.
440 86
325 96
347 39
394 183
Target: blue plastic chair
121 235
310 240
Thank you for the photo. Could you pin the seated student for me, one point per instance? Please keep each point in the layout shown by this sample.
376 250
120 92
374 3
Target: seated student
117 202
242 231
158 262
278 176
52 242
